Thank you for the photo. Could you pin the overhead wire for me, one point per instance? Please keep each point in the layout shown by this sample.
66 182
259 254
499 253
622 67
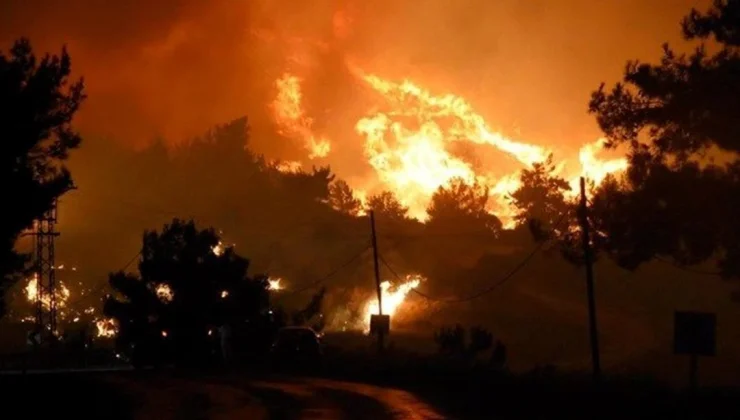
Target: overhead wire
481 293
102 286
503 280
329 275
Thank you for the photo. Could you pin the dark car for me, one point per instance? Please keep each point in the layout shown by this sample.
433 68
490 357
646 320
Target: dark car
296 348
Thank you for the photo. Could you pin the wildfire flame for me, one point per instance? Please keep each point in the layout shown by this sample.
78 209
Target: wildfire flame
165 293
274 284
593 168
291 119
32 293
106 328
408 142
218 249
392 297
414 161
289 166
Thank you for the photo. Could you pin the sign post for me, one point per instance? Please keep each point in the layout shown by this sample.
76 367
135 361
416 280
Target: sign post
588 259
381 329
380 324
694 335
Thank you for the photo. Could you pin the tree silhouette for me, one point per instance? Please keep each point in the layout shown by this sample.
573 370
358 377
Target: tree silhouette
387 207
456 342
671 115
461 207
37 104
186 289
343 199
549 215
685 103
540 200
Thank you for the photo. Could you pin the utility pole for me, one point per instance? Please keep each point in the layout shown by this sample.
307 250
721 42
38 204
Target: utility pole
588 260
46 318
377 279
45 270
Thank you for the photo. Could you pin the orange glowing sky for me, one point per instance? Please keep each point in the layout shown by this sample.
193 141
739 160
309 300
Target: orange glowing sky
173 68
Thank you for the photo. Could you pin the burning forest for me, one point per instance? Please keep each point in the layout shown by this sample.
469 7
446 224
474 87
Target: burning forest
426 160
243 167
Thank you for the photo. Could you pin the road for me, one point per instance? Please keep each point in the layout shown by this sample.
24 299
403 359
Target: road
282 398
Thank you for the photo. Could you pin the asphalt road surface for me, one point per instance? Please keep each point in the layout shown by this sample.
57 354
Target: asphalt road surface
282 398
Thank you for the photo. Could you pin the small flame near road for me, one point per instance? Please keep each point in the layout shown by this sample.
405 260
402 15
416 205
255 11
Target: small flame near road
393 298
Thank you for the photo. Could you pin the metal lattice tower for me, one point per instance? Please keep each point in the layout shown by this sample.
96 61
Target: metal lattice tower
46 304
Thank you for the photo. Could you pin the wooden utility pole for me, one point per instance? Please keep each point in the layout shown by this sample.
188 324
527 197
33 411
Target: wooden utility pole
377 278
588 260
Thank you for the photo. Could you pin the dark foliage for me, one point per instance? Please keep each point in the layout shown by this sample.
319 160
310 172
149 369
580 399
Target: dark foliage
461 208
675 201
184 293
457 343
37 104
547 211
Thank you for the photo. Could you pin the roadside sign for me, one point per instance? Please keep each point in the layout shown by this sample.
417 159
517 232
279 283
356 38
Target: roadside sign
694 333
380 324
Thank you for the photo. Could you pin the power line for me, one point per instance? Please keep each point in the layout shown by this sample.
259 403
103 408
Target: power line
483 292
331 274
138 254
102 286
495 285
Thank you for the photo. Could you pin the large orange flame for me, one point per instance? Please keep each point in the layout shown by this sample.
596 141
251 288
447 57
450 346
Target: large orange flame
408 141
292 121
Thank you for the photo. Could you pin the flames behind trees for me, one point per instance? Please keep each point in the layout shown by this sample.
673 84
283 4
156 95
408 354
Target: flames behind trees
179 294
410 145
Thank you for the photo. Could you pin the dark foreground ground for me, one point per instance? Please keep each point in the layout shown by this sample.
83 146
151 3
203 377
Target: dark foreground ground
353 382
170 395
387 392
